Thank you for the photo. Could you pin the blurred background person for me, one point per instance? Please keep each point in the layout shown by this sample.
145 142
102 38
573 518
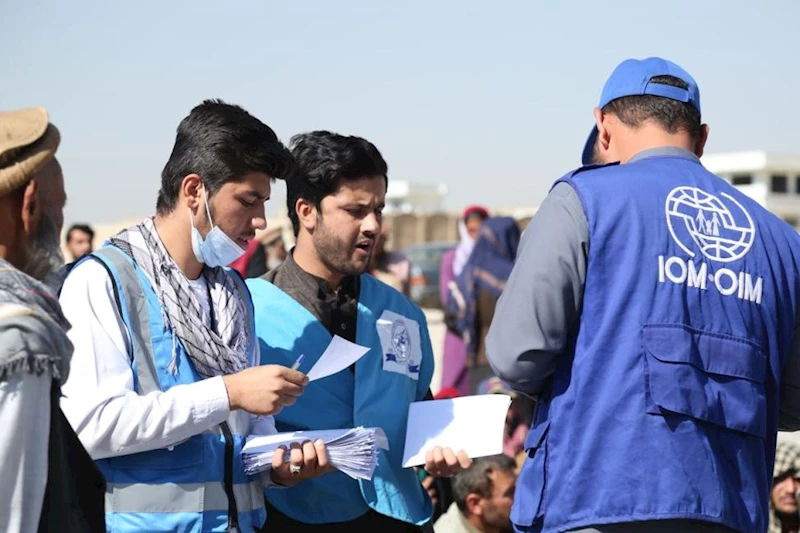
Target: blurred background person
483 495
79 240
783 505
274 247
253 263
474 293
390 266
454 353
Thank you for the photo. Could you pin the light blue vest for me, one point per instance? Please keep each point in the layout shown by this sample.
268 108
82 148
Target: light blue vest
180 488
668 407
394 373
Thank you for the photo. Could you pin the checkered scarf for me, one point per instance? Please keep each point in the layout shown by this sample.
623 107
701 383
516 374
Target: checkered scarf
215 351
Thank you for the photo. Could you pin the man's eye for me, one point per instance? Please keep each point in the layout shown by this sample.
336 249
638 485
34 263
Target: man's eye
246 204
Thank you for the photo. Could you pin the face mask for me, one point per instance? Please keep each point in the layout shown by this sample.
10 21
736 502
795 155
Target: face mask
217 249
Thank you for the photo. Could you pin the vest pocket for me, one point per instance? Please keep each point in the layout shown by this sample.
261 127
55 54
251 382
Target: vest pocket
527 505
714 378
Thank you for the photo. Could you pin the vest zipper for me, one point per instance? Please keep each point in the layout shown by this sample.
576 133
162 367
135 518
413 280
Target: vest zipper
233 512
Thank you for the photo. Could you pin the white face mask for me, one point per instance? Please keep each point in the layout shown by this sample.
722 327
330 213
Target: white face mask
217 249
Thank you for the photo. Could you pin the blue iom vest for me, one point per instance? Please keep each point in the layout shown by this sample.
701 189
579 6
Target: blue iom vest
180 488
668 407
394 373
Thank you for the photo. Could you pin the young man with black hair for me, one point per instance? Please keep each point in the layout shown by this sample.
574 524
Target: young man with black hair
166 383
656 327
335 202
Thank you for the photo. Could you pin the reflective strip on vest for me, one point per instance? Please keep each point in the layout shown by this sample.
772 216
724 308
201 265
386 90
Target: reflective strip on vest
167 497
136 308
181 498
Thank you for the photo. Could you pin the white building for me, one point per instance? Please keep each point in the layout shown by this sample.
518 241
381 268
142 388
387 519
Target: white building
772 179
403 197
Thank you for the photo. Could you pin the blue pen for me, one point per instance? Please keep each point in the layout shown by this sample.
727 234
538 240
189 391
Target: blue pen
296 364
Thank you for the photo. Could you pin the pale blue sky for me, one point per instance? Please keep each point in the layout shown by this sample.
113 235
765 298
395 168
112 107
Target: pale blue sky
493 99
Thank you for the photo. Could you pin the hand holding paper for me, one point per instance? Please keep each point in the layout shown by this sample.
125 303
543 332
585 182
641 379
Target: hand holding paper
297 462
472 423
444 462
352 451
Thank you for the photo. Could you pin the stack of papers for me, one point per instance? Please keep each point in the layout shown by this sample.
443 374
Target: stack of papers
352 451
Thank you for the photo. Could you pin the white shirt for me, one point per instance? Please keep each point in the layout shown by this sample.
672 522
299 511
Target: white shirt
110 418
24 441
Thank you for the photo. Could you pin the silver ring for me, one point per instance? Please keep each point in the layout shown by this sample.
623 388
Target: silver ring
294 469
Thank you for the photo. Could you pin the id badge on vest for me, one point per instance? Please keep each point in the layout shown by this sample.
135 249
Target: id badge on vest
400 344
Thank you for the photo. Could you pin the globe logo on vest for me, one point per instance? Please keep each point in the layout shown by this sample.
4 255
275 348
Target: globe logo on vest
401 341
722 230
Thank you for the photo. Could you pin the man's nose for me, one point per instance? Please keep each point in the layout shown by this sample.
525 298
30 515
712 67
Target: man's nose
371 225
259 223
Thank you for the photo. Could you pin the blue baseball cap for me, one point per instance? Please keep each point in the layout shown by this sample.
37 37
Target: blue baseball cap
632 78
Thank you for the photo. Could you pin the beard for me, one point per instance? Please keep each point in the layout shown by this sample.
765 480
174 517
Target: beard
43 254
336 253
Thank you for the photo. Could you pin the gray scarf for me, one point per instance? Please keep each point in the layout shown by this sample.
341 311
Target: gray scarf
40 342
215 351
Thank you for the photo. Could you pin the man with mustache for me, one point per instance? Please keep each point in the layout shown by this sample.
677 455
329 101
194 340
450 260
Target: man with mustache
49 481
167 384
335 203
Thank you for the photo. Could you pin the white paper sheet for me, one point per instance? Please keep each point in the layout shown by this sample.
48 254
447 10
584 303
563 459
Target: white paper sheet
474 424
339 354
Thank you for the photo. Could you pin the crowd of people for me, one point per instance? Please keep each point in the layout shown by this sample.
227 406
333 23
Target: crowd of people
650 360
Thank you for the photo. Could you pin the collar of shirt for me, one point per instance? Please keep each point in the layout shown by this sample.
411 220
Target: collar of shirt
337 311
661 151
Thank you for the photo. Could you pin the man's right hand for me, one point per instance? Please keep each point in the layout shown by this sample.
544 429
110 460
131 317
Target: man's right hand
264 390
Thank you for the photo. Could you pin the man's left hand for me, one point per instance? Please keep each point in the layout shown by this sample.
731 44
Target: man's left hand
443 462
305 461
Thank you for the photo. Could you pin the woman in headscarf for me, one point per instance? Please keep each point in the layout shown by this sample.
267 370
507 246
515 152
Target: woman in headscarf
474 293
454 355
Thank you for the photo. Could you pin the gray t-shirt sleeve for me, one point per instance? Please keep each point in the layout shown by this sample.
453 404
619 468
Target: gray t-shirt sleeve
537 314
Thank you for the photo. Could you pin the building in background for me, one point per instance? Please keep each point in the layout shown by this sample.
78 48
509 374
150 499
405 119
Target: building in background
404 197
772 179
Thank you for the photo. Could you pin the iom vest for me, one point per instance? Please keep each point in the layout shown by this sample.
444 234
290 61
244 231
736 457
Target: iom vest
198 485
668 407
394 373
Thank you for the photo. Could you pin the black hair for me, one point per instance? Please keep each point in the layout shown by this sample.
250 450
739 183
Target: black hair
477 478
221 143
85 228
670 114
323 160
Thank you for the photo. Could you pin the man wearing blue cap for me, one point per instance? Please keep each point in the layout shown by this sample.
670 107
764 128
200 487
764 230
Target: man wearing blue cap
656 328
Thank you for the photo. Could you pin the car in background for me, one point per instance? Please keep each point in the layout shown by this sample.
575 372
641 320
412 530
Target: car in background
426 260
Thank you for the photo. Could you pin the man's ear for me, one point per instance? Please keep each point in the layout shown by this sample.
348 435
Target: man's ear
191 192
474 504
700 142
603 132
307 214
31 207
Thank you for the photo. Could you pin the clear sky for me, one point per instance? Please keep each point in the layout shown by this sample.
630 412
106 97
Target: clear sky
493 99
